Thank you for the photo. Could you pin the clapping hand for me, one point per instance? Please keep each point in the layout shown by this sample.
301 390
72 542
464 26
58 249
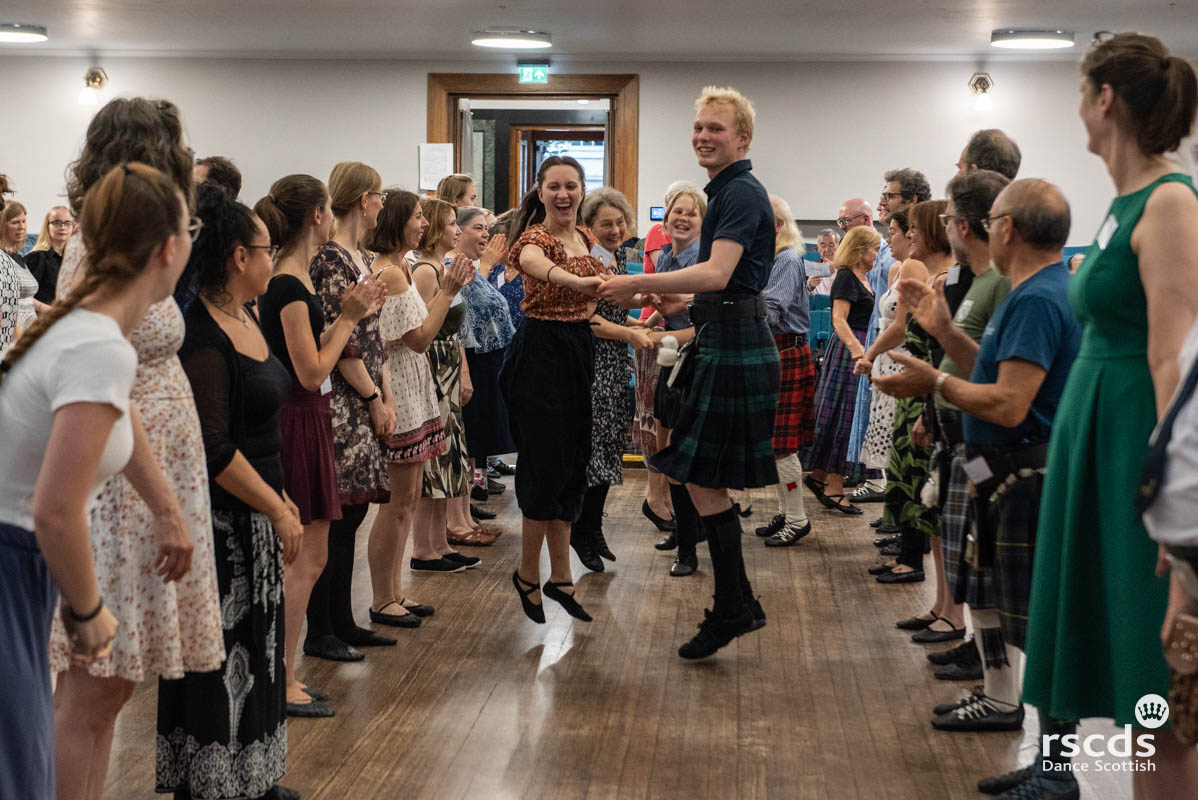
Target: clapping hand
363 299
917 377
493 253
460 272
928 305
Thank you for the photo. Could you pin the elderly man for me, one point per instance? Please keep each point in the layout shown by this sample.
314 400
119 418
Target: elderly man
1009 401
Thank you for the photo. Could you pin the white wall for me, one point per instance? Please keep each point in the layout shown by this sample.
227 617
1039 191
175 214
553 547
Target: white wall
825 131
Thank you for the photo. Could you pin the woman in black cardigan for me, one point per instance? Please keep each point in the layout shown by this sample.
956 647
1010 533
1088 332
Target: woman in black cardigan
239 386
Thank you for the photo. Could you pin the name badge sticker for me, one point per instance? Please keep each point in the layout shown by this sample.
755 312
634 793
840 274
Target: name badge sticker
953 275
327 386
977 470
963 311
1106 232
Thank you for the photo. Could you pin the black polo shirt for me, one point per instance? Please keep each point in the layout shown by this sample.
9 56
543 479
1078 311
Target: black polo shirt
739 210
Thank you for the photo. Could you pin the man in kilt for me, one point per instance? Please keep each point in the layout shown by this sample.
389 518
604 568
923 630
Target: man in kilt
788 309
1009 403
722 437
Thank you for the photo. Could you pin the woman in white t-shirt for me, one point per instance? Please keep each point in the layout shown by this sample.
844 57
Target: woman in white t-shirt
64 399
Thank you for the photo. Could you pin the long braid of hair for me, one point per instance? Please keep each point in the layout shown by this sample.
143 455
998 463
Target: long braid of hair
127 217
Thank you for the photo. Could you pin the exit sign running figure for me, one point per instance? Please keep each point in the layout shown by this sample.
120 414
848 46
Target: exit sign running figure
534 73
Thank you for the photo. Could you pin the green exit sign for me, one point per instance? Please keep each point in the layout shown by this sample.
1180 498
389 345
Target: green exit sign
534 73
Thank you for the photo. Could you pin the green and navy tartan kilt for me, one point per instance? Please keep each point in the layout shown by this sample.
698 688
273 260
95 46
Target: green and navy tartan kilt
1017 513
965 584
722 436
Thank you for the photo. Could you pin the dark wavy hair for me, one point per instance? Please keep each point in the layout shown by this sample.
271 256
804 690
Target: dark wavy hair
131 129
227 223
387 235
532 210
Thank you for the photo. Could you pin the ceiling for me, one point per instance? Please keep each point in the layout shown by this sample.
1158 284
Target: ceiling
617 29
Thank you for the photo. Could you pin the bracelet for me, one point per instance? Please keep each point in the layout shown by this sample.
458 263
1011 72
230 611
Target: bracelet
372 397
938 389
86 617
550 272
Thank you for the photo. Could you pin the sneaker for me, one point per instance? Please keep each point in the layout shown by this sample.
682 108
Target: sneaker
467 561
958 653
866 494
776 524
497 464
435 565
790 535
981 713
715 632
1007 781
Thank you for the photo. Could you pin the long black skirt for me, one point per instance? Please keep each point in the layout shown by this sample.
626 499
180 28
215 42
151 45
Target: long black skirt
485 416
546 384
223 734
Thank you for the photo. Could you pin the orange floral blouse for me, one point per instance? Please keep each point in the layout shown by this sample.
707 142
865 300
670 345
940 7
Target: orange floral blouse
549 301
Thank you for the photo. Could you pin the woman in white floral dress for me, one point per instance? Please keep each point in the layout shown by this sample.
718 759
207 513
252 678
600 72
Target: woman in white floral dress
150 528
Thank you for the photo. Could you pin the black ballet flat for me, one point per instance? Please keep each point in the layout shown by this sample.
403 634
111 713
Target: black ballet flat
880 569
567 601
915 623
405 620
331 648
663 525
417 609
833 501
316 694
316 709
534 611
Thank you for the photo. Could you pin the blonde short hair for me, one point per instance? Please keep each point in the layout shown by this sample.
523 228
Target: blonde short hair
693 194
855 245
743 114
789 236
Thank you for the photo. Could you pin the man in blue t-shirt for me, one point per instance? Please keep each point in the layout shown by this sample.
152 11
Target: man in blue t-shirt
1009 403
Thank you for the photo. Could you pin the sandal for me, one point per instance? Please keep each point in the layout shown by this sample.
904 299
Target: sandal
834 501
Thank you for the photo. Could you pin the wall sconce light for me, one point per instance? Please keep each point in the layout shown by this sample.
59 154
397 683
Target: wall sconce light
980 83
94 80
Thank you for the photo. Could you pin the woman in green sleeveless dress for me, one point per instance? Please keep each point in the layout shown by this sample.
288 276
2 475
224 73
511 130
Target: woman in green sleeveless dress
1093 642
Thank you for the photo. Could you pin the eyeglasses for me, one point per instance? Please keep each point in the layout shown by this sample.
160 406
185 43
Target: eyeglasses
892 195
271 249
843 221
988 222
61 223
194 226
382 195
945 219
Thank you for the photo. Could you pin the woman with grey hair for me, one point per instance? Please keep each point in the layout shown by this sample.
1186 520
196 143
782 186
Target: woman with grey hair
608 215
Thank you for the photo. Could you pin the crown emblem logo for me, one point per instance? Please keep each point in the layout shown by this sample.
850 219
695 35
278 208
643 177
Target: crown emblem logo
1152 711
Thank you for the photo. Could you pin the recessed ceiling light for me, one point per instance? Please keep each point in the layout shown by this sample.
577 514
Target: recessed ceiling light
1026 39
22 34
512 39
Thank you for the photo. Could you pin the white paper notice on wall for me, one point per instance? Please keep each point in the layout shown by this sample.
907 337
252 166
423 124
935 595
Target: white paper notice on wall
436 161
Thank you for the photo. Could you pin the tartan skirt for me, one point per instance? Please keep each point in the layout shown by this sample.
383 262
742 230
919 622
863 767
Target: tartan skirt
722 438
1017 512
794 423
965 584
835 403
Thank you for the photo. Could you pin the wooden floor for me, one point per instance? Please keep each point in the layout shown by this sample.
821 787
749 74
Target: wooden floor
829 700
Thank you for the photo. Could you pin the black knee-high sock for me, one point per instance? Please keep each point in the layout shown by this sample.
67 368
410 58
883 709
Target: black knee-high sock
732 589
911 547
686 519
325 612
342 540
591 517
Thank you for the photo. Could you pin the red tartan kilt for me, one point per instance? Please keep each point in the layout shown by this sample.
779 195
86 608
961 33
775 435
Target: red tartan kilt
794 424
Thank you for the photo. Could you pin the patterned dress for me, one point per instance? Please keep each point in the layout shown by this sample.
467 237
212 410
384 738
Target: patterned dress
419 434
879 436
448 474
10 294
165 628
908 461
361 465
611 394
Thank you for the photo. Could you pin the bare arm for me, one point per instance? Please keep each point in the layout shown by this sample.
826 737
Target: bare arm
1166 242
1005 402
840 324
933 314
896 332
311 365
711 275
534 263
438 303
241 480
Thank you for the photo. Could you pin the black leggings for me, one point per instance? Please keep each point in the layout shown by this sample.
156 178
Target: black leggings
593 502
329 608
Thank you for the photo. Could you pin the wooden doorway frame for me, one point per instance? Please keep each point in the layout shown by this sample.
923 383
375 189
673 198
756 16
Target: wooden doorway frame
516 139
623 91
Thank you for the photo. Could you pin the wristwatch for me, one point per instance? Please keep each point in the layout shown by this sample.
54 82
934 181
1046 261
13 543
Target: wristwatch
938 389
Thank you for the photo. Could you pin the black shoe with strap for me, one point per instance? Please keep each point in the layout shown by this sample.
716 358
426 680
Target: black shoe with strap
837 502
554 592
955 654
789 535
945 708
716 632
981 713
583 545
599 543
966 668
534 611
331 648
1007 781
404 620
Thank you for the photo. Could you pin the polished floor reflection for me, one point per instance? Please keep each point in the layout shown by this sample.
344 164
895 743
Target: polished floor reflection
828 701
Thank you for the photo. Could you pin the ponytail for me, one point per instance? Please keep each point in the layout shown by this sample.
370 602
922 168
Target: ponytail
127 217
285 211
